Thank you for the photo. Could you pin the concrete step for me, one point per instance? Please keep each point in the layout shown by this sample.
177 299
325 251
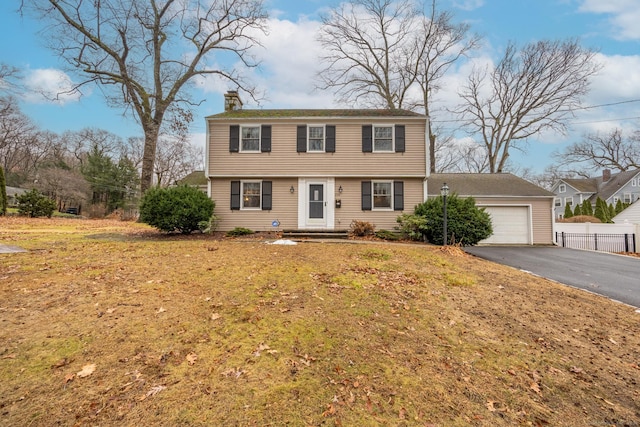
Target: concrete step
315 234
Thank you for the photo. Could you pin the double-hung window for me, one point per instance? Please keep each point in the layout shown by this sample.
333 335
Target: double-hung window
315 138
382 195
627 198
568 201
251 191
558 201
250 138
562 188
382 138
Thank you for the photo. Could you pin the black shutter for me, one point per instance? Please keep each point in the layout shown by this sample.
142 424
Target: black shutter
301 145
398 195
399 138
234 138
367 139
266 195
330 140
366 195
265 139
235 195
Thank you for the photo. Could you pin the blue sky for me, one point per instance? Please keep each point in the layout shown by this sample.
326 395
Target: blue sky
611 27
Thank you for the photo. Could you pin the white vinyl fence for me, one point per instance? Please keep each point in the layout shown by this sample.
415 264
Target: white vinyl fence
598 237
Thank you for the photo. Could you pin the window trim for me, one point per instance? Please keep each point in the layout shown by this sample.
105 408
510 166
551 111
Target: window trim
324 138
568 201
562 188
634 182
241 139
624 198
558 202
373 195
373 138
242 206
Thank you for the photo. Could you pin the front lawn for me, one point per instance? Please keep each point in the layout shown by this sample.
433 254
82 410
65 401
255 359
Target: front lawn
112 323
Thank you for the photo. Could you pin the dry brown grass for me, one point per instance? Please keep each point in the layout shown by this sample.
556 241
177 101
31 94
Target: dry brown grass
197 331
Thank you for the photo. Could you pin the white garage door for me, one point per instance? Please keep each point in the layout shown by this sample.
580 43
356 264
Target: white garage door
511 225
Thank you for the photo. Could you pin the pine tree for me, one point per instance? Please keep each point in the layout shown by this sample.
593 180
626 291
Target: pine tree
602 211
587 209
612 212
3 193
577 211
619 206
568 213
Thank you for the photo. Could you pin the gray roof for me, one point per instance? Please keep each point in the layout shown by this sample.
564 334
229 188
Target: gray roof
299 113
598 188
485 185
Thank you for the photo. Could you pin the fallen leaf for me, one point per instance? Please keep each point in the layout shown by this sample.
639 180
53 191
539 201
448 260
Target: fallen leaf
9 356
69 377
86 370
215 316
576 370
490 406
60 363
402 414
191 358
161 310
110 310
612 341
154 390
535 387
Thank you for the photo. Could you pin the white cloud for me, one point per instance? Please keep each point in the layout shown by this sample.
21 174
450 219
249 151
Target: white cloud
624 15
468 5
48 85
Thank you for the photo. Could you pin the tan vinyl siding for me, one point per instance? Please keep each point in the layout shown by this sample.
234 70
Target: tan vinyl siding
347 161
285 207
352 207
541 214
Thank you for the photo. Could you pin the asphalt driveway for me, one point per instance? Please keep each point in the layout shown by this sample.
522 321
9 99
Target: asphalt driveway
614 276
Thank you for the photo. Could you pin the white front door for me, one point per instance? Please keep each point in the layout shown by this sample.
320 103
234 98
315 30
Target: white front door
315 203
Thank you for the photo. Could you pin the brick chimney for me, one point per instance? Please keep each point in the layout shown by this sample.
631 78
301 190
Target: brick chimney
606 175
232 101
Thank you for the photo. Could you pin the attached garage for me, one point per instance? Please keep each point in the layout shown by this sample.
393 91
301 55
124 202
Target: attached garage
511 225
521 212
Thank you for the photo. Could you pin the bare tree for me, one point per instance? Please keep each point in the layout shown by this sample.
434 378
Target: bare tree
367 42
529 91
176 158
599 151
144 53
438 45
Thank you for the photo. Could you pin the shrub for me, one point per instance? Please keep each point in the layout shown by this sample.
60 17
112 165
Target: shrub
568 213
239 231
361 228
413 226
387 235
466 223
172 209
35 204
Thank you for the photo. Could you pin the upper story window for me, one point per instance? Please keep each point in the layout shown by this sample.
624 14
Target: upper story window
558 201
634 182
627 198
568 201
316 138
250 138
382 138
562 188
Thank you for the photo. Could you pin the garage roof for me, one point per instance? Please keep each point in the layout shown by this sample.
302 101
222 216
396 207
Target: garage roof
485 185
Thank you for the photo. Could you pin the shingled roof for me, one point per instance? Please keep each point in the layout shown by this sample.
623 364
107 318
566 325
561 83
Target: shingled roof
485 185
299 113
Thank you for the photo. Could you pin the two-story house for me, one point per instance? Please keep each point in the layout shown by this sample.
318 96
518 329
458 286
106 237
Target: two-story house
624 186
314 169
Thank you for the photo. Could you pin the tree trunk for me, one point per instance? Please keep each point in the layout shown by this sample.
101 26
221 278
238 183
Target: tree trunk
148 157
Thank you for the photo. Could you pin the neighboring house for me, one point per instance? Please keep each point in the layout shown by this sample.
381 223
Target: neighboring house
12 194
521 212
630 215
314 169
195 179
624 186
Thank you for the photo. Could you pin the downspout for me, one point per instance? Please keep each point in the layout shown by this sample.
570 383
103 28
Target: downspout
206 158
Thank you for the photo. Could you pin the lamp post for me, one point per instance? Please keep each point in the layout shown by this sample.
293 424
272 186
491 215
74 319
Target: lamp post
444 192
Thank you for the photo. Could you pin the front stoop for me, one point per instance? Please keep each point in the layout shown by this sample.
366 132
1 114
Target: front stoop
315 234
